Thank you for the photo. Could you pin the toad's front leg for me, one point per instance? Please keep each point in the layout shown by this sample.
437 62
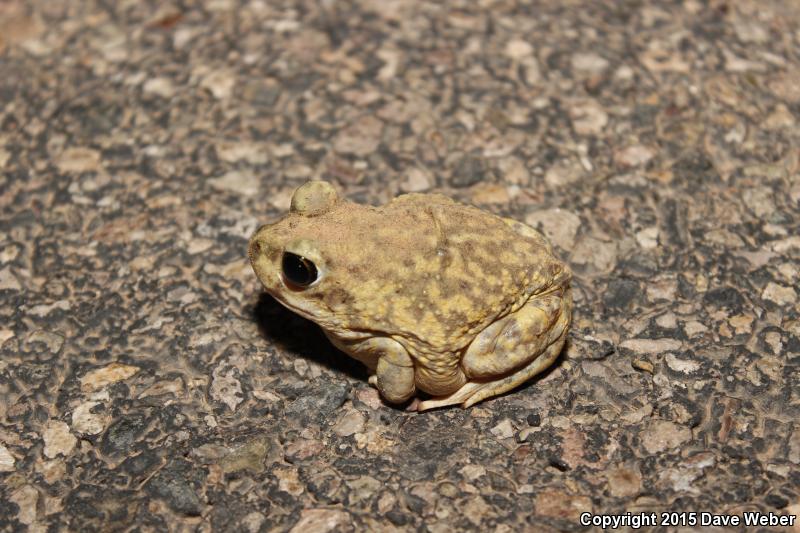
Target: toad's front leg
391 367
394 375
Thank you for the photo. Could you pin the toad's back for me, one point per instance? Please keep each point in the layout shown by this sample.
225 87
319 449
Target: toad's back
429 269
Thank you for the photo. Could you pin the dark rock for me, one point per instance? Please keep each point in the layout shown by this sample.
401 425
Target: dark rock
176 492
620 293
122 436
141 464
319 400
397 518
414 503
726 297
468 171
776 501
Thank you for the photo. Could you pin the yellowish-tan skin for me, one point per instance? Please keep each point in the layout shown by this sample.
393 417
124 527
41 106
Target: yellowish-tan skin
429 294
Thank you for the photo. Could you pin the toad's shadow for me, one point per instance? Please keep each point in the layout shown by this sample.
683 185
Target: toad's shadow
293 334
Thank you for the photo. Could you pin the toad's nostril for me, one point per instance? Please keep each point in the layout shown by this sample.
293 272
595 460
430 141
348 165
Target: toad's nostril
255 249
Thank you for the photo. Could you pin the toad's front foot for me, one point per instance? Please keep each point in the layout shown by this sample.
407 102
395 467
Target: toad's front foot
394 379
411 407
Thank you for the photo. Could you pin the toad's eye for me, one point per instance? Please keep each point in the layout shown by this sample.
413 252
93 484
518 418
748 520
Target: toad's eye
298 270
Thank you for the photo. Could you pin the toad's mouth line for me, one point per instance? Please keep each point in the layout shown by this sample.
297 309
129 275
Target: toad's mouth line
353 333
278 295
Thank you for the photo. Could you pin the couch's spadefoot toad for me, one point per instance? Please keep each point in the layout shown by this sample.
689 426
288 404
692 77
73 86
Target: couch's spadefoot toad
429 294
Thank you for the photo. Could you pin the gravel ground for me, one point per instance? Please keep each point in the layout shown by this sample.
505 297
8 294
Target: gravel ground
147 384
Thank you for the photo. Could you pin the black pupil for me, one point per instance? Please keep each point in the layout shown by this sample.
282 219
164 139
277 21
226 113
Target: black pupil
298 269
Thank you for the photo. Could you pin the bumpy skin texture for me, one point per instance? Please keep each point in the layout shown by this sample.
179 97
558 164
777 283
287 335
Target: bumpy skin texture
429 294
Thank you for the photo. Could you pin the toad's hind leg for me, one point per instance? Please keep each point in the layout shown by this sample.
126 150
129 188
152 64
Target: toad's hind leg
474 392
519 377
517 339
512 350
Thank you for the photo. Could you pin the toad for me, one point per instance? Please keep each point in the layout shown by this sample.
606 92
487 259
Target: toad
430 294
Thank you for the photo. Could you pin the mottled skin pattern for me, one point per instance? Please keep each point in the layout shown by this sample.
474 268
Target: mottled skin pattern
428 293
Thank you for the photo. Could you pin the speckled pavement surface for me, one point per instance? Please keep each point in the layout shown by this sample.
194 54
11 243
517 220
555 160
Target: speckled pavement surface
146 383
